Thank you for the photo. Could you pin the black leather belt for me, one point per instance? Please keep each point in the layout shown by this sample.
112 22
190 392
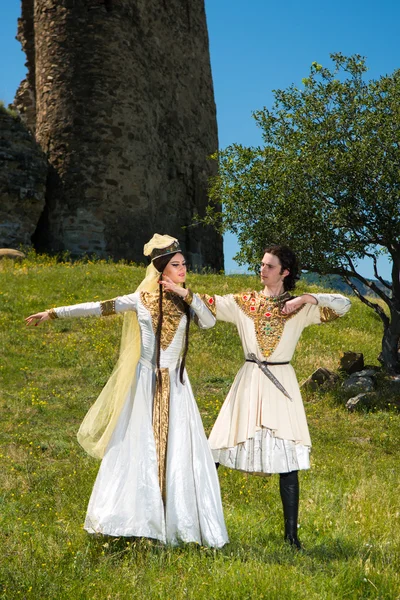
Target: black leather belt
263 366
265 362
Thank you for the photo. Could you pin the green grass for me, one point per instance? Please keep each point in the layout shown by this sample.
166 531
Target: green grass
49 376
8 111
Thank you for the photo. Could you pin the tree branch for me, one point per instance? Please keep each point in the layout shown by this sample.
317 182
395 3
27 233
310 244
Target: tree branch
377 276
359 233
378 309
370 284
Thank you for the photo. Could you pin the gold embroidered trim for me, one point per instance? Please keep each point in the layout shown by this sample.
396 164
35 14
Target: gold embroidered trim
173 311
160 425
189 297
209 301
107 307
327 314
157 252
265 312
52 313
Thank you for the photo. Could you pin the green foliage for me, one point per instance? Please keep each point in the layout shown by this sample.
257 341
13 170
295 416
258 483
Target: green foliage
325 182
326 179
49 376
8 111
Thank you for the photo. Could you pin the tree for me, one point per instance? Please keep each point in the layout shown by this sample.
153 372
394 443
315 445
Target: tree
326 181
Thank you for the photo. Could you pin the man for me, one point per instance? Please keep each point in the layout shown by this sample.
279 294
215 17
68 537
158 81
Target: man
262 426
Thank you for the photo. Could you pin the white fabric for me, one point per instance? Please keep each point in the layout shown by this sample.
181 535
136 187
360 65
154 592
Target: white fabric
265 454
340 304
86 309
126 498
254 402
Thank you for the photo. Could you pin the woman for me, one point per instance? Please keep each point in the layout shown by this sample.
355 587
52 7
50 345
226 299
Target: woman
262 426
157 478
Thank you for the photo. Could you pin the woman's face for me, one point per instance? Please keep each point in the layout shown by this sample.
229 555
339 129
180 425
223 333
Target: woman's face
176 268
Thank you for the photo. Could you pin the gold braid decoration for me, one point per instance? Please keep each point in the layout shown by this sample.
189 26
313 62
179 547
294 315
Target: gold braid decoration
52 313
189 297
327 314
265 312
209 301
173 311
160 424
107 307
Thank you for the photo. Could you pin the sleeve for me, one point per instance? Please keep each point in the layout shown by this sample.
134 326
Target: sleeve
223 308
328 308
97 309
201 315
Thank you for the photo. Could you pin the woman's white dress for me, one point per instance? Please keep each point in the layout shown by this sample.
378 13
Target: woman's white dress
126 499
258 429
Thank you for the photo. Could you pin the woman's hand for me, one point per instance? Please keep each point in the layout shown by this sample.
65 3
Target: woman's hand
296 303
37 318
175 288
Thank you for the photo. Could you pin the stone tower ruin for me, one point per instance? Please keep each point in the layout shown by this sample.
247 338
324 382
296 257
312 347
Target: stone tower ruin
119 94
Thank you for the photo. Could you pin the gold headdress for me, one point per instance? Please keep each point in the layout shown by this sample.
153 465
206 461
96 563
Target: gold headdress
99 423
161 245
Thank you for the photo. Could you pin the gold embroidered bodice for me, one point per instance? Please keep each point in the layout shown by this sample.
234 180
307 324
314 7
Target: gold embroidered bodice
173 311
268 320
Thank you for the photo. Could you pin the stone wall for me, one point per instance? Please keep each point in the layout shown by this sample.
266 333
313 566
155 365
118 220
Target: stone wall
25 102
124 109
23 171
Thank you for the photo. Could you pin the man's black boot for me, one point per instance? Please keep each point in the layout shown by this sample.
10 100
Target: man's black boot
289 489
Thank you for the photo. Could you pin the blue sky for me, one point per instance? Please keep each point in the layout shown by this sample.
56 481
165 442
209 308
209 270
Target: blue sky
257 46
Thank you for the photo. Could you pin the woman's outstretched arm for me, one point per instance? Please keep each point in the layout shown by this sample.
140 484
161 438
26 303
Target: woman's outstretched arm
87 309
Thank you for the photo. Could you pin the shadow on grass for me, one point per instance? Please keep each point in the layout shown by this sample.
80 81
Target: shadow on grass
266 550
329 550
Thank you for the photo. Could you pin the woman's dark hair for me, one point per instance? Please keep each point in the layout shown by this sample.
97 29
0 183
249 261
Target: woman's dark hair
160 263
288 260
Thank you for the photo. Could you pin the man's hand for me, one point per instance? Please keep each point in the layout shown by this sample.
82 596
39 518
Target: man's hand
296 303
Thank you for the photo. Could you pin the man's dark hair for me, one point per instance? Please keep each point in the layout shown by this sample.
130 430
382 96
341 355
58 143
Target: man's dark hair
288 260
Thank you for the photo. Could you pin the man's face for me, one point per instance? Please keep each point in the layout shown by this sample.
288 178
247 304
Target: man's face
271 270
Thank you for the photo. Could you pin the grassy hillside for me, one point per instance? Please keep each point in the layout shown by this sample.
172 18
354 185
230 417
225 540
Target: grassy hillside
49 376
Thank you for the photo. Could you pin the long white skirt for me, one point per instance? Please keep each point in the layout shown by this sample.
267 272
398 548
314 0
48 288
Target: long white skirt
265 454
126 498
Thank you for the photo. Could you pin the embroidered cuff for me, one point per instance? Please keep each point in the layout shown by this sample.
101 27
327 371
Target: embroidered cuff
189 297
52 313
327 314
107 308
209 301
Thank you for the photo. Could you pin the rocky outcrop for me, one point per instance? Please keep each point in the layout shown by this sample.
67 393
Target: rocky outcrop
361 401
320 377
120 96
369 386
351 362
358 383
23 171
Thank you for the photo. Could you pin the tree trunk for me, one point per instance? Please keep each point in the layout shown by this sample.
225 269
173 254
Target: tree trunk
389 356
